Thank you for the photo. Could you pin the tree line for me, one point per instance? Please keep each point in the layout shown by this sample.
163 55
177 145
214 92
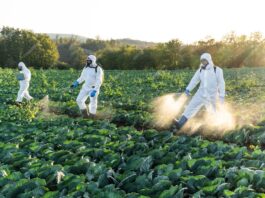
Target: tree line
40 51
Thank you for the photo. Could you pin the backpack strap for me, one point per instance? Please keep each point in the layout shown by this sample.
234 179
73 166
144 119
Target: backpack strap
214 67
96 68
100 66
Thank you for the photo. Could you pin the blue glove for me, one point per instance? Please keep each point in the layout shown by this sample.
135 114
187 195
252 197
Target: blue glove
75 84
20 76
187 92
222 99
92 93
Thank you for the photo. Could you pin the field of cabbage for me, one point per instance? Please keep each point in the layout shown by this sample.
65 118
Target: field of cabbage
47 150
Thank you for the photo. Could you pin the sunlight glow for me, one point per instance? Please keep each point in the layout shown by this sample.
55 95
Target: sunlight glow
149 20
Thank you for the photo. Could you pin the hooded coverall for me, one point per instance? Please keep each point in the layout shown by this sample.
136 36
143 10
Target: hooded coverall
93 77
212 86
24 84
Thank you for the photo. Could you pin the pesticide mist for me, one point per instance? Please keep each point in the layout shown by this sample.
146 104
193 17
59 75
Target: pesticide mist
44 103
226 118
212 123
166 108
170 106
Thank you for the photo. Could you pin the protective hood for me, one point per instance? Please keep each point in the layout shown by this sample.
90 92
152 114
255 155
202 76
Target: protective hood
207 57
211 81
93 59
21 64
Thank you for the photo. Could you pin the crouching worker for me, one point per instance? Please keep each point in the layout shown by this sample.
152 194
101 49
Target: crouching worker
92 76
24 77
212 88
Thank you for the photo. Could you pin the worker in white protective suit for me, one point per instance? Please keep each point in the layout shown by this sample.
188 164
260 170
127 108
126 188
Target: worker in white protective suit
92 74
24 78
212 88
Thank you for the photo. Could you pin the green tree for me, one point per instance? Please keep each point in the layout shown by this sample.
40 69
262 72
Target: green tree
36 50
71 52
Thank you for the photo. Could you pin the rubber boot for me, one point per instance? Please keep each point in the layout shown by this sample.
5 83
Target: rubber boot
181 122
19 104
92 116
84 113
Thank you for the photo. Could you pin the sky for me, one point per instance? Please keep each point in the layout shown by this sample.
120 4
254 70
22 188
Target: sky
148 20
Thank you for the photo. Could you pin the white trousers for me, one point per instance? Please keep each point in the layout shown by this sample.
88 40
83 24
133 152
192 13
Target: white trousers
23 91
81 100
197 102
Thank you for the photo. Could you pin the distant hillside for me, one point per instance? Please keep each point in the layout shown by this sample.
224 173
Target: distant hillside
53 36
125 41
128 41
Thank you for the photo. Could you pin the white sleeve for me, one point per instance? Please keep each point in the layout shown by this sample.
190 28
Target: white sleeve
82 77
194 81
99 78
221 83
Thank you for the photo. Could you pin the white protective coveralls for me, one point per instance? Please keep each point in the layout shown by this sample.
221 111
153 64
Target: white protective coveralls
212 87
24 84
93 77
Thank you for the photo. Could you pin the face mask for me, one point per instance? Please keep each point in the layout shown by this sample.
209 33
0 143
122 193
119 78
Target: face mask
88 62
204 63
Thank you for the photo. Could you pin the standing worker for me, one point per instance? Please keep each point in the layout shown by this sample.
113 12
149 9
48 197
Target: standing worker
24 78
212 88
92 74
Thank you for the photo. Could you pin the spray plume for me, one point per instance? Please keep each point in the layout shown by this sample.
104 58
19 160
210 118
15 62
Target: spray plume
44 104
166 108
226 118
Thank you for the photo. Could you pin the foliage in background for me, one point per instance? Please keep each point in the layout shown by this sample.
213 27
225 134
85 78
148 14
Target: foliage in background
232 51
36 50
